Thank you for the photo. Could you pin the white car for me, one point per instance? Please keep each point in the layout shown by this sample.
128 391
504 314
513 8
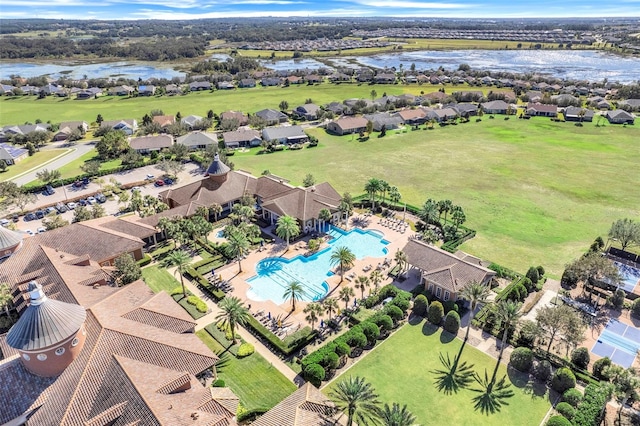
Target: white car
4 222
150 177
30 232
91 200
71 206
135 189
41 229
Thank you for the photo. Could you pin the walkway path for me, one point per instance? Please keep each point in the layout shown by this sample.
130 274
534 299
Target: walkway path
243 332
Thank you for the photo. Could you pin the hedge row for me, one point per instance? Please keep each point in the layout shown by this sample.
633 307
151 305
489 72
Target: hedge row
146 259
306 336
204 284
221 338
558 362
503 272
591 409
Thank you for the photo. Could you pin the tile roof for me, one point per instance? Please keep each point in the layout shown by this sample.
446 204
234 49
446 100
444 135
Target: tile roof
151 142
164 120
349 123
283 132
307 406
304 203
26 390
198 138
241 135
444 268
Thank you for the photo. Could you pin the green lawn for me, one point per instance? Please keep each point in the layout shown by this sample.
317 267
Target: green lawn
29 108
30 162
537 192
400 370
258 384
159 279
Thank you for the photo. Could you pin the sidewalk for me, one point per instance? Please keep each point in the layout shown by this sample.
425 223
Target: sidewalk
243 332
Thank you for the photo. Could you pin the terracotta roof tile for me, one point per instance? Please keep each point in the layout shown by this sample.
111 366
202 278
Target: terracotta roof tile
307 406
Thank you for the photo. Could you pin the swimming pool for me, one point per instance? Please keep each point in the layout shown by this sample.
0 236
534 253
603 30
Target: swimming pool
273 274
630 276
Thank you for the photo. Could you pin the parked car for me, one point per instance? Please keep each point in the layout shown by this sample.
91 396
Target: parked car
71 206
135 189
50 190
29 216
40 214
82 202
30 232
77 184
15 218
159 182
91 200
61 208
41 229
101 198
4 222
168 181
150 177
50 210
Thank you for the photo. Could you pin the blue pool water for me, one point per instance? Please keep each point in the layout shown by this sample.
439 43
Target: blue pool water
220 234
275 273
630 276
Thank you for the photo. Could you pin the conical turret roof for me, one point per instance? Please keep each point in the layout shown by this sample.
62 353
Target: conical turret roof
9 238
217 167
45 322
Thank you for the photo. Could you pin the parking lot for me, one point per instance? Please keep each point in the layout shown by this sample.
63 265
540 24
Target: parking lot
69 193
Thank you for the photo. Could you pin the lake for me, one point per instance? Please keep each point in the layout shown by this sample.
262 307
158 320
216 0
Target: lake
126 69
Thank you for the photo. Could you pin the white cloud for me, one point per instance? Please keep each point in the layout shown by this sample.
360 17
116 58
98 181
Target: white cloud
408 4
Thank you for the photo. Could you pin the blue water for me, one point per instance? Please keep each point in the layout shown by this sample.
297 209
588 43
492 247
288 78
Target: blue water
275 273
220 234
630 276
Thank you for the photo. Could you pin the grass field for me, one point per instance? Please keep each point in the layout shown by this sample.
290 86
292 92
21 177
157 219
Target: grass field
537 192
258 384
29 108
28 163
400 370
158 279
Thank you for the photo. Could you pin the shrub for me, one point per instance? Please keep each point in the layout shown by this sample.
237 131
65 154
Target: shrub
449 306
401 302
178 290
580 357
436 312
541 271
618 298
542 370
566 410
529 285
600 365
572 397
533 274
421 304
357 340
452 322
558 421
331 361
201 307
370 330
635 308
245 349
388 290
563 379
522 359
394 312
218 383
314 373
384 322
342 349
590 410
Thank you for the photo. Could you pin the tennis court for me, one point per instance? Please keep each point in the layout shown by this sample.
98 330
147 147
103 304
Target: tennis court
618 341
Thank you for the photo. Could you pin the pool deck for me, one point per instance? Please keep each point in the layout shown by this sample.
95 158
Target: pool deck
291 321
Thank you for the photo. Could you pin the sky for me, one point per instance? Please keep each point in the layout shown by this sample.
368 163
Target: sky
199 9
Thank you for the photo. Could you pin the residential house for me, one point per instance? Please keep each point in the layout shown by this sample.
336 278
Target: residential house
147 90
313 79
146 144
198 140
284 135
346 125
243 137
225 85
242 119
385 78
191 120
307 111
197 86
443 114
337 108
619 116
52 89
578 114
129 127
164 120
90 93
11 154
442 273
631 104
7 89
247 82
541 110
82 125
271 116
294 79
173 89
466 109
412 117
339 77
436 97
63 133
271 81
495 107
121 91
384 120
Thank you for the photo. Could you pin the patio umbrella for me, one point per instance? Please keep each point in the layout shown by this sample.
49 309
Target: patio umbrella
269 315
321 323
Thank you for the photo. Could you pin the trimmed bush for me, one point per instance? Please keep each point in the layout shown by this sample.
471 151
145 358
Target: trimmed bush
245 349
635 308
315 374
563 379
580 357
618 299
401 302
542 370
566 410
590 410
436 312
522 359
370 330
383 321
558 421
420 305
394 312
177 290
541 271
357 340
449 306
218 384
533 274
342 349
572 397
332 361
452 322
600 365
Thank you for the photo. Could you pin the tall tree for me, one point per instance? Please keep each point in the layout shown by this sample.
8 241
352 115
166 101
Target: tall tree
127 270
429 212
626 232
362 283
372 187
357 399
394 195
180 259
287 228
238 246
330 305
216 210
376 278
626 385
346 293
233 313
344 258
54 221
308 180
6 298
556 319
401 260
507 314
48 176
397 416
314 311
324 216
294 291
593 267
476 293
284 105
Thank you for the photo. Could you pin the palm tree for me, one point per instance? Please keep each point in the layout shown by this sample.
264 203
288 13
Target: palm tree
455 375
344 258
286 228
372 187
357 399
238 246
216 210
507 315
401 259
625 384
345 209
324 216
180 259
314 311
346 293
476 294
384 188
376 278
233 313
6 298
396 416
394 195
294 291
330 305
429 211
492 394
362 282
